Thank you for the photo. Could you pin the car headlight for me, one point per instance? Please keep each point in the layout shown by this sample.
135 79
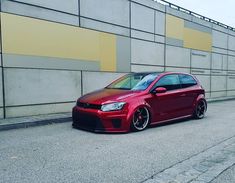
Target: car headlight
112 107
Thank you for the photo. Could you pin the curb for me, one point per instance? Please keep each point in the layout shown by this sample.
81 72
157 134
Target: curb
220 99
12 126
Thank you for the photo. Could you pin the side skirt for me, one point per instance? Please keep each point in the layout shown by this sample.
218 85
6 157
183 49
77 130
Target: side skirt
173 119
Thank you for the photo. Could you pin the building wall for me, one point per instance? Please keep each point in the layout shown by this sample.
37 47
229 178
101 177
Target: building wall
53 51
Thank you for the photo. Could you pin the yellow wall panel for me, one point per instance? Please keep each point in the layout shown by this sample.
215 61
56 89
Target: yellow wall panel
191 38
197 40
29 36
174 27
108 52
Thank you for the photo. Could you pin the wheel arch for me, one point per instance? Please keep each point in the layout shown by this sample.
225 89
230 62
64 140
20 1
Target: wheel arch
199 98
135 107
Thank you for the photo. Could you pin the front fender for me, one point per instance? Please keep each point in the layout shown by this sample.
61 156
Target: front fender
134 106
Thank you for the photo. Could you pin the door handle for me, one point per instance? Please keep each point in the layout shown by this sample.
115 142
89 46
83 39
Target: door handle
183 95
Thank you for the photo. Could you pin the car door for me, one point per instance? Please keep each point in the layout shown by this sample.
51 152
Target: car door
189 93
166 105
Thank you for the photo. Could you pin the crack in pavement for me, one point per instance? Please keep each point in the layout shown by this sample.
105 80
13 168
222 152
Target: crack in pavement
202 167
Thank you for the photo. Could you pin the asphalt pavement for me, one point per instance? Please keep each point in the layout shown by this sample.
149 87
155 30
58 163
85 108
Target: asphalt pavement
186 151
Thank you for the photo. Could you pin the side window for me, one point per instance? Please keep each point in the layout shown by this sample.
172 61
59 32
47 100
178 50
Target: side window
187 80
170 82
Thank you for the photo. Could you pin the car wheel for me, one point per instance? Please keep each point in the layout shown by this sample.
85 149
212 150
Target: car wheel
200 109
140 119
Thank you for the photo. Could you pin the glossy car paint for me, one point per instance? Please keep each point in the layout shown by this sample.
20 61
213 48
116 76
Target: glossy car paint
171 105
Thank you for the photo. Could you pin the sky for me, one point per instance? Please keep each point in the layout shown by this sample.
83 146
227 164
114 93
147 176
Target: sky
221 11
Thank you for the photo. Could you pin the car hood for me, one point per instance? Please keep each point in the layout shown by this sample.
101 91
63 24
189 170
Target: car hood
107 96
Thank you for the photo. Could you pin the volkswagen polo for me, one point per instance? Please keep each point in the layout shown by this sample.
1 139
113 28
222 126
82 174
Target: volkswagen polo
137 100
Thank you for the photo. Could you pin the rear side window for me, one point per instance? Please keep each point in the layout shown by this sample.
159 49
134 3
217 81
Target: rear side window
170 82
187 80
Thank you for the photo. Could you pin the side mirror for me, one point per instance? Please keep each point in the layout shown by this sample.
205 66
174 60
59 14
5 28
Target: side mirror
159 90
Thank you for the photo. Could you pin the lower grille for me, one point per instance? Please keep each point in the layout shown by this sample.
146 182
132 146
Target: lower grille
116 123
87 121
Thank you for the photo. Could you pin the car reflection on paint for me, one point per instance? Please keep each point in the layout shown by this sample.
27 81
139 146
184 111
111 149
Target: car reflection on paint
137 100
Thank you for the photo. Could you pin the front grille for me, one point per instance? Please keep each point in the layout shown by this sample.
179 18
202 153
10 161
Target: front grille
88 106
87 121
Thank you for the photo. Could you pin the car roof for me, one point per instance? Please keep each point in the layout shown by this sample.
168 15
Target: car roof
161 73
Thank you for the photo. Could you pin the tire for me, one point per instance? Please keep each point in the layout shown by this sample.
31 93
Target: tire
200 109
140 119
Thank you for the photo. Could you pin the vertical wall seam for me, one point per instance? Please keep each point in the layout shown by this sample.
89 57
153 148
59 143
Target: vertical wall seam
210 74
130 17
165 43
190 62
79 13
81 83
130 35
3 80
154 25
226 66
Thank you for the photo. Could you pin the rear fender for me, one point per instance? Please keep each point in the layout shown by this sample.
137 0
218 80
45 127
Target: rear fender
199 97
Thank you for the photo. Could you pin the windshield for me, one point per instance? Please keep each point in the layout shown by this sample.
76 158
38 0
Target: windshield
135 81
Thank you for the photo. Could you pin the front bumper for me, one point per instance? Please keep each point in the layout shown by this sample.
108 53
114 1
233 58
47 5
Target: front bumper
99 121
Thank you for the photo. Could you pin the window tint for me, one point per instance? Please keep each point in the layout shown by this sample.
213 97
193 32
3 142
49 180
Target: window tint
170 82
187 80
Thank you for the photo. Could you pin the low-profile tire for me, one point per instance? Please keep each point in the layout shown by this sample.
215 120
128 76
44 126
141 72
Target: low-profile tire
200 109
140 119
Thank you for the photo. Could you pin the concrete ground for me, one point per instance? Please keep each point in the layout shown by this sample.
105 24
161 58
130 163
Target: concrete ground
228 176
188 151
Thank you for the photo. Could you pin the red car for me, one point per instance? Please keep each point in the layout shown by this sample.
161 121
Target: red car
137 100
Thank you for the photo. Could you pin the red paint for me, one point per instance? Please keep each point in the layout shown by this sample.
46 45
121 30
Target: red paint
163 106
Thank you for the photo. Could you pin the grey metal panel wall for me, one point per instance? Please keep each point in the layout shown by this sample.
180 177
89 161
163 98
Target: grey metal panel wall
177 56
89 78
61 11
144 52
142 23
68 6
39 87
106 15
177 13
